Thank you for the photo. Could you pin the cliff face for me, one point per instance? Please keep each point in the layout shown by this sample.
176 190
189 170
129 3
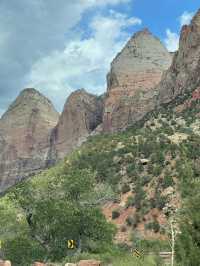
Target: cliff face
32 136
184 74
24 134
134 73
81 115
142 78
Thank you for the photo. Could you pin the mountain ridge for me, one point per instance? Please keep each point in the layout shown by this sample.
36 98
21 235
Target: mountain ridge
142 78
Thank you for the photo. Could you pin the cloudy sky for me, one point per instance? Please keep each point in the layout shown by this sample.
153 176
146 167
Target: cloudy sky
60 46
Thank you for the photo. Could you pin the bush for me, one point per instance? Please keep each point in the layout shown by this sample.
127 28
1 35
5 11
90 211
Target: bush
155 226
157 170
167 182
125 188
123 228
145 180
130 201
136 220
129 220
139 196
131 170
115 214
160 201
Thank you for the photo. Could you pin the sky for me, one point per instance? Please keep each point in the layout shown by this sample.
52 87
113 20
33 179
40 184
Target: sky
61 46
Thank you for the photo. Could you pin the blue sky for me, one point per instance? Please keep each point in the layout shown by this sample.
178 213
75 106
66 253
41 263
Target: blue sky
60 46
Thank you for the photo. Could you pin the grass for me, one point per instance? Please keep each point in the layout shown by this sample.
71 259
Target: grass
133 261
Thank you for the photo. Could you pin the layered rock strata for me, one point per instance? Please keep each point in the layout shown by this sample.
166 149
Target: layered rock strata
24 136
131 83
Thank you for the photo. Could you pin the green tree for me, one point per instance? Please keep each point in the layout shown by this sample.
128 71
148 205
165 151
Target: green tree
57 206
188 242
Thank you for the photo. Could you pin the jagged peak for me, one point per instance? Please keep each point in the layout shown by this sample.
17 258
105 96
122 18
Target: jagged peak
29 90
80 93
142 48
142 32
29 97
30 93
196 18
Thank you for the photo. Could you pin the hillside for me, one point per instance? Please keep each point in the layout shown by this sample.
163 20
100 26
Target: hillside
139 178
121 171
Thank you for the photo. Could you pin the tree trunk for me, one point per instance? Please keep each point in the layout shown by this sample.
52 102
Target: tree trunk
173 243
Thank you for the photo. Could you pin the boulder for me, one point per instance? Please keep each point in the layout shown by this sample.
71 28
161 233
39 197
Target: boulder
5 263
39 264
89 263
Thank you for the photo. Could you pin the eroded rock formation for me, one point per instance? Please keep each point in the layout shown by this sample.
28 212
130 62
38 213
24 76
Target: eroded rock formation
184 74
134 73
142 77
81 115
24 136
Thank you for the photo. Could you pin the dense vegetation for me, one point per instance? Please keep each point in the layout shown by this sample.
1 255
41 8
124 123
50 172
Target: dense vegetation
39 215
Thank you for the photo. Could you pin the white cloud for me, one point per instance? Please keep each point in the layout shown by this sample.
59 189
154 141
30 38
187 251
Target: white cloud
105 2
30 30
171 41
2 111
83 62
186 18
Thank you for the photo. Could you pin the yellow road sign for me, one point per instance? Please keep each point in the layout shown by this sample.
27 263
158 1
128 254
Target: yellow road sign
71 244
137 253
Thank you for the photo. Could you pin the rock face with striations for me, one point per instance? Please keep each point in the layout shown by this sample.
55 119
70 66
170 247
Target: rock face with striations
81 115
184 74
24 136
131 83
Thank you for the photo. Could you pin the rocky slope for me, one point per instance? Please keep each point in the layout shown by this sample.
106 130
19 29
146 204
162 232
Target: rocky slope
183 75
81 115
33 137
132 79
24 131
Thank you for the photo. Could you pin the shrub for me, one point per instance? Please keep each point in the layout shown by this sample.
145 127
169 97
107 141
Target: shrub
145 180
130 201
155 226
129 220
157 170
131 170
160 201
125 188
139 197
115 214
136 220
123 228
167 182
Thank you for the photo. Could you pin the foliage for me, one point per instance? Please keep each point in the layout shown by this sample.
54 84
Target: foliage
115 214
130 201
188 244
125 188
167 182
53 210
39 215
153 226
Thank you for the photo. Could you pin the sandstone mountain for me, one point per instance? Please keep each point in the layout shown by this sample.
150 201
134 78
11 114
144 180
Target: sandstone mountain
183 75
33 137
142 77
134 73
81 115
24 131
